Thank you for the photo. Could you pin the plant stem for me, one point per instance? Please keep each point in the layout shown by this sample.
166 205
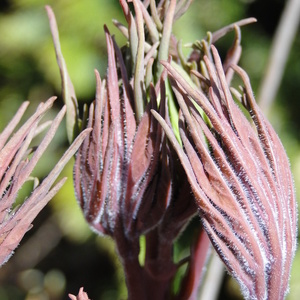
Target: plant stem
280 49
128 251
159 266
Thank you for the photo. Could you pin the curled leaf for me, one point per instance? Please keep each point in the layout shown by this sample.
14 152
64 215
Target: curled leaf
68 91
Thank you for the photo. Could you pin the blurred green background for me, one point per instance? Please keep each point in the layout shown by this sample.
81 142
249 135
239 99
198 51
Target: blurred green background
61 254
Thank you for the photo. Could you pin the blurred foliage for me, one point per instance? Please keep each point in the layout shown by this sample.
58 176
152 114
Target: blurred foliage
60 253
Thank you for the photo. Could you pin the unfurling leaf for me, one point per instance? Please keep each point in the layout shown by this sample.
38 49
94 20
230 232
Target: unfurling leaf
15 170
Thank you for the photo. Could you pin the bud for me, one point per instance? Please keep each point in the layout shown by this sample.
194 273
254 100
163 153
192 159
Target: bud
81 295
240 176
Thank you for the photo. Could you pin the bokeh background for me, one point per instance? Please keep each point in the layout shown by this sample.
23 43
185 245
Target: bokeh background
61 254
